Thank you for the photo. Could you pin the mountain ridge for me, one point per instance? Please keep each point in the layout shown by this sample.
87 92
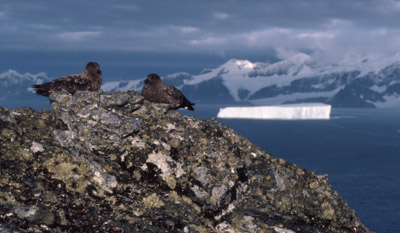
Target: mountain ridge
356 81
300 79
15 86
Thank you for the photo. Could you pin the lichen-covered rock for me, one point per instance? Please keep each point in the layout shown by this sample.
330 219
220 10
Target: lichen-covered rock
99 121
112 162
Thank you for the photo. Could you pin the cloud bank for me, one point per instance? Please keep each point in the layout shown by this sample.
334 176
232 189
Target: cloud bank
327 29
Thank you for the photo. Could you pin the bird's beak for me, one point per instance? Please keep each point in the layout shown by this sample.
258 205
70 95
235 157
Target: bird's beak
99 71
146 81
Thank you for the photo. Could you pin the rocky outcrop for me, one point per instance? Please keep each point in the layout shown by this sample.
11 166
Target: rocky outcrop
112 162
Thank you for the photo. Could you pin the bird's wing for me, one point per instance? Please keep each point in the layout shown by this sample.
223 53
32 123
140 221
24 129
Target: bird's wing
172 91
172 94
70 83
179 100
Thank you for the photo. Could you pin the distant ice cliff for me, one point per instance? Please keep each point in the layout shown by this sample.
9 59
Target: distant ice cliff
313 111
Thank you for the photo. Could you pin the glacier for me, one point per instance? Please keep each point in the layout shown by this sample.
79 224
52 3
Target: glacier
310 111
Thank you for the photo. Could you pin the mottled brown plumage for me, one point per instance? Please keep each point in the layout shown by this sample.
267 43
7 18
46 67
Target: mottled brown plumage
89 80
155 91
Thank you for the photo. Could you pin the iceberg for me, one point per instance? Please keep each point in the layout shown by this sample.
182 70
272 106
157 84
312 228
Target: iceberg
309 111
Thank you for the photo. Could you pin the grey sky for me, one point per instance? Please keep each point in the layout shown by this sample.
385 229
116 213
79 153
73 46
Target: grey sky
198 29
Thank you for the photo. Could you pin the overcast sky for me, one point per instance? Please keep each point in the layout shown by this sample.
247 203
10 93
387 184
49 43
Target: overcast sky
132 38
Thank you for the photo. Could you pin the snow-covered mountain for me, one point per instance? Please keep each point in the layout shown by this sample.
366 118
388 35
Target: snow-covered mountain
356 81
17 87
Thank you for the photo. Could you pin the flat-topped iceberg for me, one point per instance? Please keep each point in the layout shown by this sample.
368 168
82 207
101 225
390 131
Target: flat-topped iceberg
309 111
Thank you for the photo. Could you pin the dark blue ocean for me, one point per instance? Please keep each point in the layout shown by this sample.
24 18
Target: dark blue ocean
358 148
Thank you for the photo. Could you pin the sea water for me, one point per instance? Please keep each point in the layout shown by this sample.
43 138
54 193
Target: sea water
358 148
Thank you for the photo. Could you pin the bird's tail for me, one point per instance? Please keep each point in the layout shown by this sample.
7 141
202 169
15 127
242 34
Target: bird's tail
190 108
188 105
42 89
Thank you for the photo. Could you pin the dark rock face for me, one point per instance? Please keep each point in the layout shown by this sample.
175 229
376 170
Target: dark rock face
323 83
353 96
115 163
210 91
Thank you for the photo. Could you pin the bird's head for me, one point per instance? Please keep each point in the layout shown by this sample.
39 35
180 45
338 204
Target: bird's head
152 79
93 68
